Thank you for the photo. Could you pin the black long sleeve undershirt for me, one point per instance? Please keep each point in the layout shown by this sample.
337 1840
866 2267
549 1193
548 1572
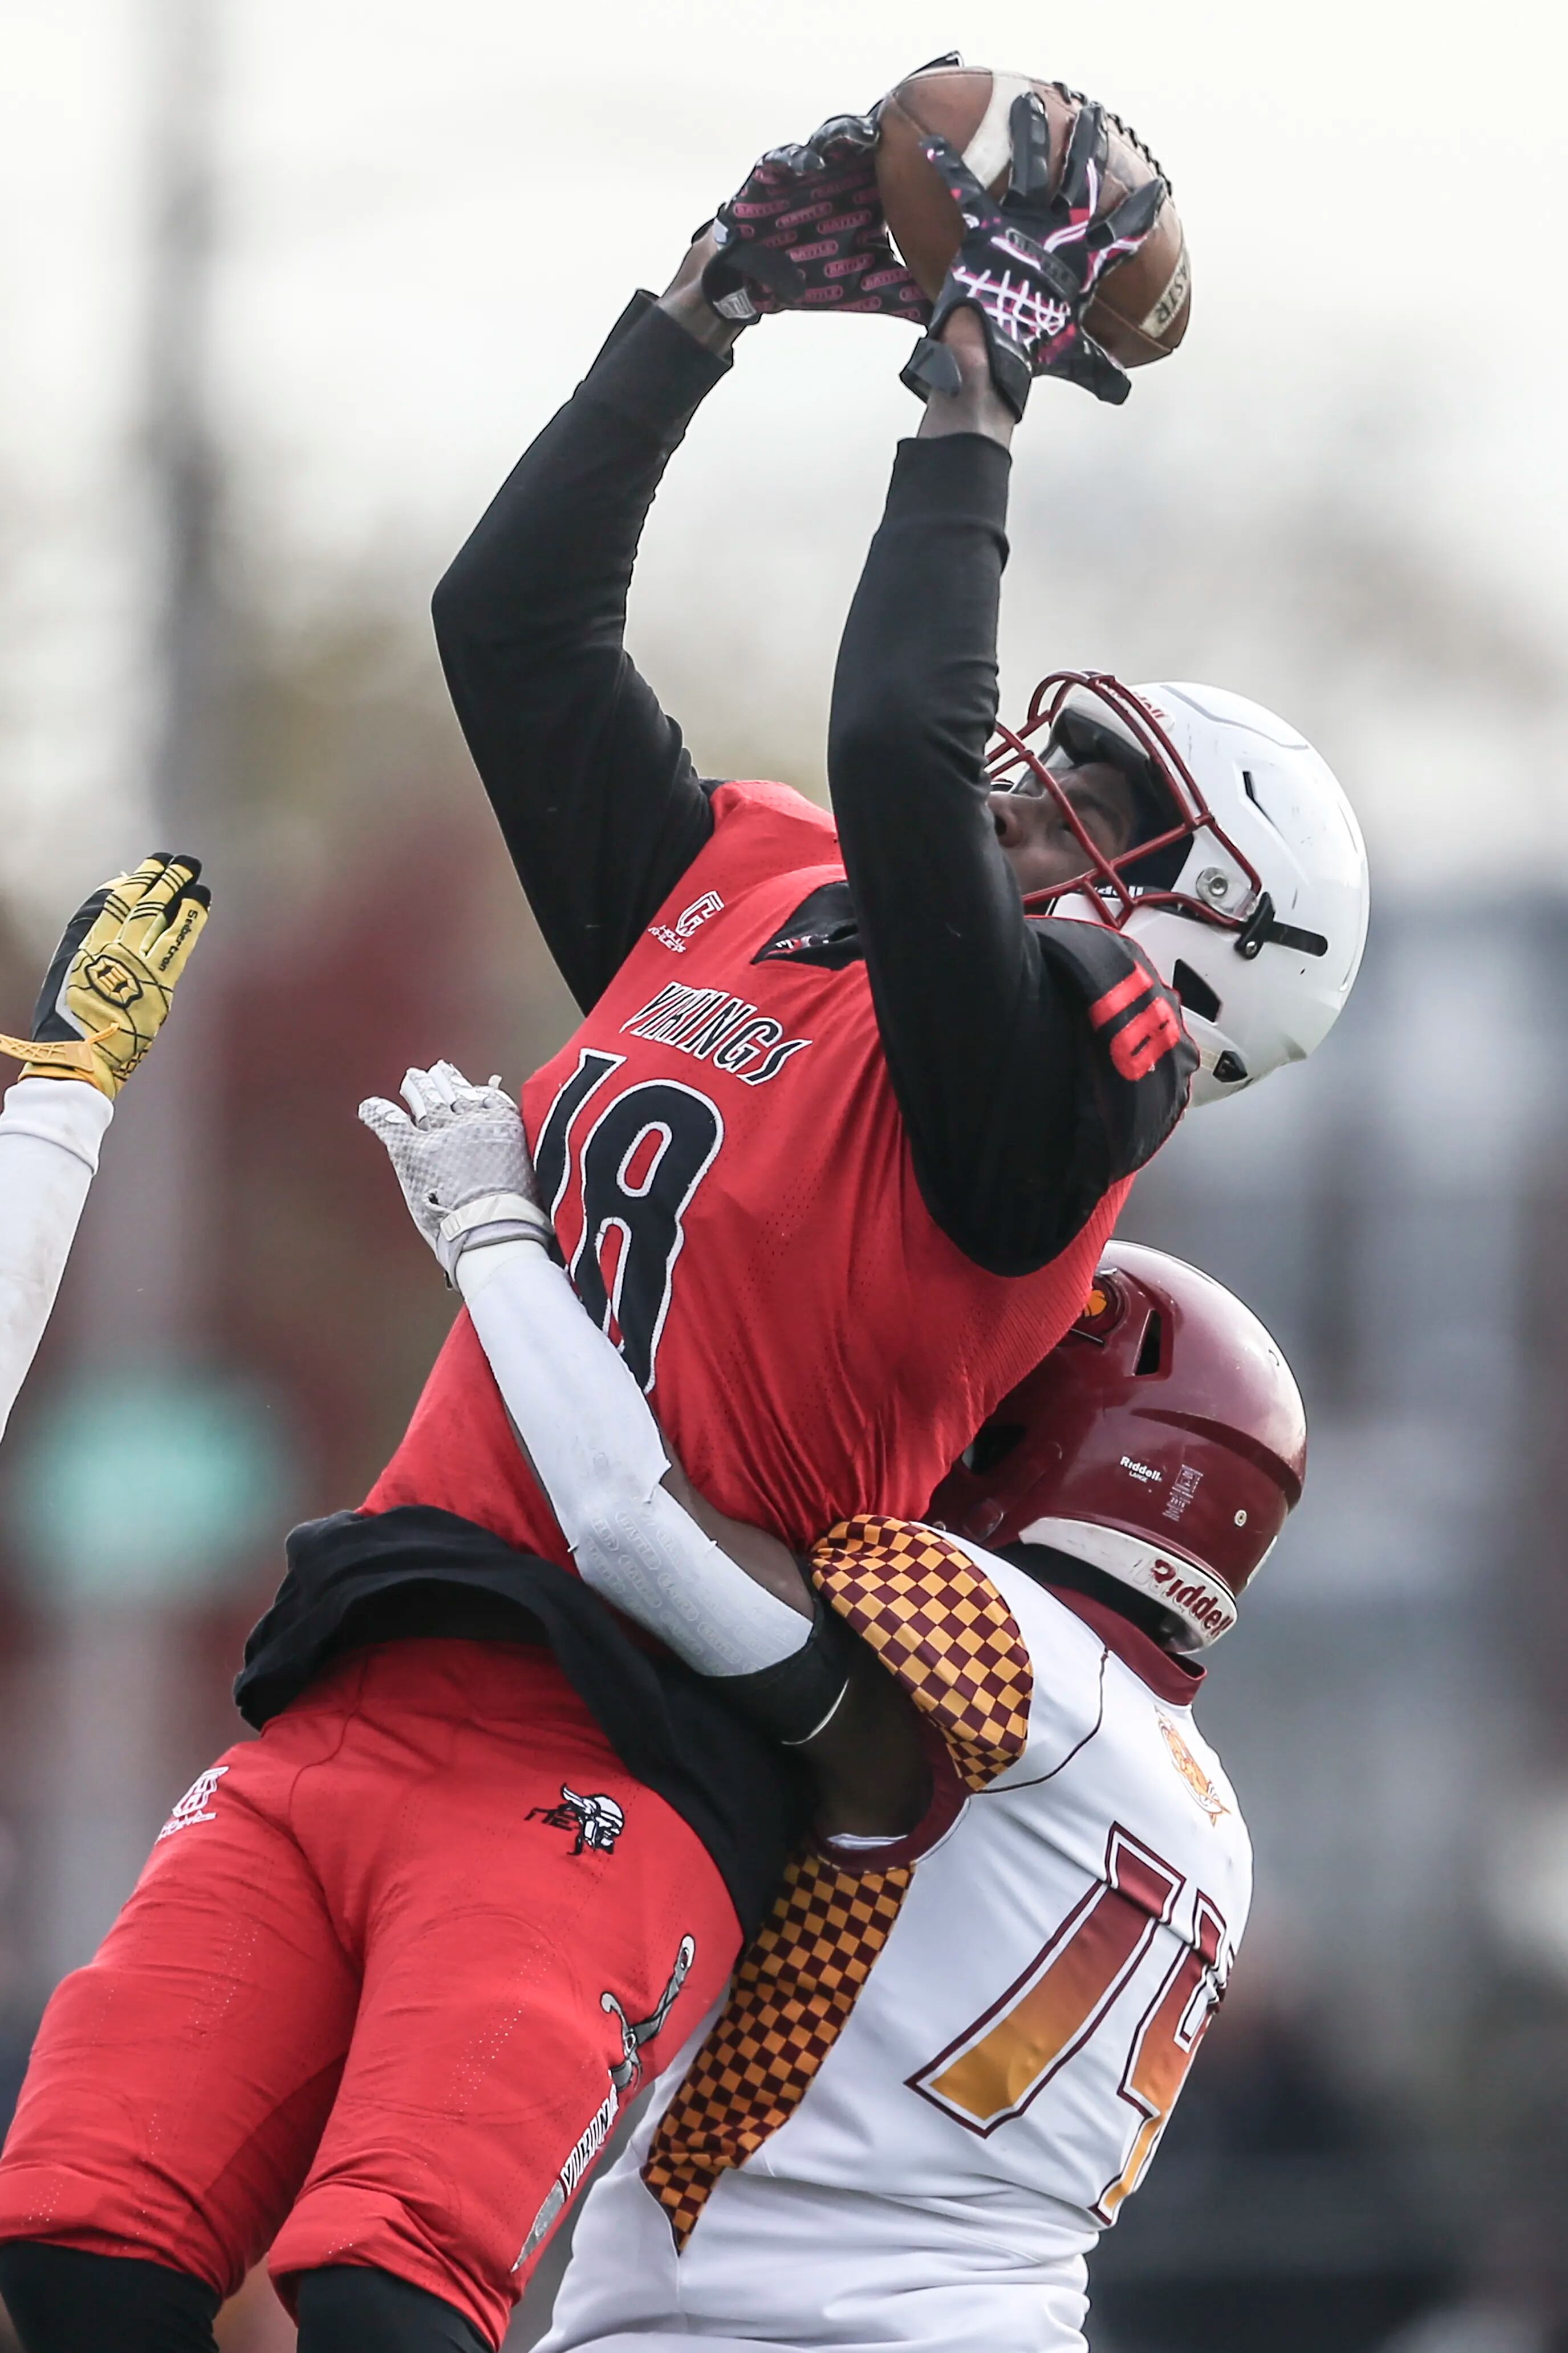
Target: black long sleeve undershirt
983 1014
987 1039
593 789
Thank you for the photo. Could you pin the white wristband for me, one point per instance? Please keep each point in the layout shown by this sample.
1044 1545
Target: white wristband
494 1209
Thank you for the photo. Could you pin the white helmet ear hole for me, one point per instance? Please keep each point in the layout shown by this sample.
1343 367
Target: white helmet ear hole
1194 992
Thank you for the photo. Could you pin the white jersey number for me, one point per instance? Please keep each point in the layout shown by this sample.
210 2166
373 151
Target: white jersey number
999 2066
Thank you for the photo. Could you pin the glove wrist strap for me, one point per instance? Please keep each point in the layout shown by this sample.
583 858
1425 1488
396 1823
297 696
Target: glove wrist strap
933 367
513 1209
55 1058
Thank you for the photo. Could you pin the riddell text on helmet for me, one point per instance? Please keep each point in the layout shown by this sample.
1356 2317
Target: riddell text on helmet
1175 1583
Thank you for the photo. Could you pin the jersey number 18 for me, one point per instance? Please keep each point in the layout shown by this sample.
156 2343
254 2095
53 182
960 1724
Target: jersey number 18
618 1182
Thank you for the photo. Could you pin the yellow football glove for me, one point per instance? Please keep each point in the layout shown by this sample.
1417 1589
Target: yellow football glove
110 979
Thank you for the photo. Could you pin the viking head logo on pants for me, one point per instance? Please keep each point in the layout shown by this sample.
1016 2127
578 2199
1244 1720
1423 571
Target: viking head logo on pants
597 1822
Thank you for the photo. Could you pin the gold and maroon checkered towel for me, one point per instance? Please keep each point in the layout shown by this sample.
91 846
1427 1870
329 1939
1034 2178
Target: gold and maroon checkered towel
940 1625
792 1993
943 1630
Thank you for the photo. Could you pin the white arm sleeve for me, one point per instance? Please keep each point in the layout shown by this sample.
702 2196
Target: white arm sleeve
50 1130
597 1450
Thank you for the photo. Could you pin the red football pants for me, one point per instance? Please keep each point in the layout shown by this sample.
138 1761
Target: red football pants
356 2007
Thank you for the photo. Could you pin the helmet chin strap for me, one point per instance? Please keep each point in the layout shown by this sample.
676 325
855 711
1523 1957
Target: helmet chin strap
1201 1601
1260 929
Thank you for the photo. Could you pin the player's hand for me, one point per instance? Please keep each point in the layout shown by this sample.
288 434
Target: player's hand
1030 265
108 987
462 1159
804 231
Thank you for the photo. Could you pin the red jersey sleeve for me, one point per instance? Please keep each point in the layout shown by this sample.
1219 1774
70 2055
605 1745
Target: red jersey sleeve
1138 1061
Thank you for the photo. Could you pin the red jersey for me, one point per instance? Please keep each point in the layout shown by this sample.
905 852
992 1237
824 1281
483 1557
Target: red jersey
732 1189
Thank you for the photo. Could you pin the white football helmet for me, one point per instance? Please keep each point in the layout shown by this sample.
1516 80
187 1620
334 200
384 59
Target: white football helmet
1247 889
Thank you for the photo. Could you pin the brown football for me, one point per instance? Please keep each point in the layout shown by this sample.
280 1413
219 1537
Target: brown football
1141 309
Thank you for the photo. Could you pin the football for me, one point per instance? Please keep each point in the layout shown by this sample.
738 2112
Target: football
1141 309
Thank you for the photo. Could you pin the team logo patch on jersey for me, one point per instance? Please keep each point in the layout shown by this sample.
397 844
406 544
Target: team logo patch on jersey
691 919
824 930
1191 1771
595 1822
624 2076
195 1805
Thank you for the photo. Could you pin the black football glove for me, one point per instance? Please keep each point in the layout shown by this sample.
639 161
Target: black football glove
804 231
1030 265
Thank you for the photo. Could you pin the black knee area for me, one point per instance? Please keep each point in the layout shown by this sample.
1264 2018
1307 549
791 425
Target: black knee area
348 2308
63 2300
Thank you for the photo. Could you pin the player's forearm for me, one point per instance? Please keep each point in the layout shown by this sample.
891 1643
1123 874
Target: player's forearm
550 559
982 1048
739 1610
914 699
50 1130
976 406
597 1452
595 795
684 302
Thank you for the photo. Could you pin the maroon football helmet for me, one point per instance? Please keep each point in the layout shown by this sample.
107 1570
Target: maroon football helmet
1163 1440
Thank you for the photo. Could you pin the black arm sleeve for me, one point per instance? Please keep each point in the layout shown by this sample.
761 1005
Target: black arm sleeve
593 789
997 1031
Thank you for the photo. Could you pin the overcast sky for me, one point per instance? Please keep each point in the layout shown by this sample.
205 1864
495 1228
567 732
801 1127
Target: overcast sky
430 214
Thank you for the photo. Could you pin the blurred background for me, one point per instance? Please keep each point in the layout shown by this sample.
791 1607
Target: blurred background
286 285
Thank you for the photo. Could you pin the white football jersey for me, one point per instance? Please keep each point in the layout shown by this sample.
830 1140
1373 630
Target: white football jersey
934 2081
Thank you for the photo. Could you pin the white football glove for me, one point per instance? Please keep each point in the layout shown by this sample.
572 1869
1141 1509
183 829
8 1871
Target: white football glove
463 1162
